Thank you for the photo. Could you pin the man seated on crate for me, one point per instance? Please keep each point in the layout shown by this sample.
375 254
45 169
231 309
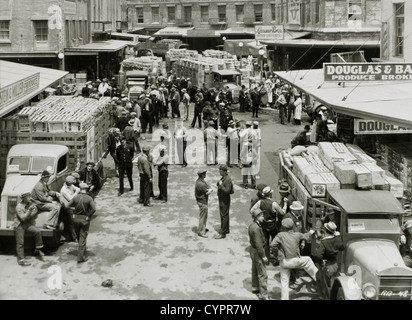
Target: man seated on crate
90 176
47 202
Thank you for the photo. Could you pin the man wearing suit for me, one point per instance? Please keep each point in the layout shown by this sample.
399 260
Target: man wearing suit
124 154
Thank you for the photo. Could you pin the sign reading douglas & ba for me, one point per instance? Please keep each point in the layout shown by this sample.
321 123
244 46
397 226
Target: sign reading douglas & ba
367 71
363 126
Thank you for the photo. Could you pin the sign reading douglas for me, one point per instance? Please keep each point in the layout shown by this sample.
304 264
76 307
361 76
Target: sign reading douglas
367 71
364 126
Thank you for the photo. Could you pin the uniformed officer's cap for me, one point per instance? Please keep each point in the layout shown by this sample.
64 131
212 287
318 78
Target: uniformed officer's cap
201 171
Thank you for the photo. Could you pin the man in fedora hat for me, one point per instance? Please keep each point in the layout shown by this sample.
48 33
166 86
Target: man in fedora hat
124 155
329 215
202 191
272 214
257 254
25 220
295 213
112 143
224 190
286 197
46 201
327 253
90 176
259 194
83 208
287 244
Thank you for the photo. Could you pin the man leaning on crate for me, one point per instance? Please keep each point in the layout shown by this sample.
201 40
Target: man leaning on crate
46 201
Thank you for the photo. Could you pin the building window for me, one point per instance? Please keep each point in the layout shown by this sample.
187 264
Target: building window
4 30
355 10
258 12
273 11
221 11
171 14
139 15
304 12
187 14
400 25
239 13
41 31
204 14
283 9
317 11
155 14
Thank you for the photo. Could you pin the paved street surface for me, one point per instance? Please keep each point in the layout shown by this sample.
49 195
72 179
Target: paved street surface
155 252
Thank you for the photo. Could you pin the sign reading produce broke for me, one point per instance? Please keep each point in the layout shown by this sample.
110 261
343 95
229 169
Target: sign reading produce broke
362 126
367 71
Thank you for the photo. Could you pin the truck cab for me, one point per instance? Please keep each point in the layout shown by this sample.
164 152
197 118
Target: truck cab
137 82
370 266
230 78
25 163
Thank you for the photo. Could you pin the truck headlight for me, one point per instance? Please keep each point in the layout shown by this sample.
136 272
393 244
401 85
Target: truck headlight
369 291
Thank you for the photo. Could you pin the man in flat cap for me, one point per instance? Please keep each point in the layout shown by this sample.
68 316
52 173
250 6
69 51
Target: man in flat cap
83 208
224 190
90 176
25 220
46 201
287 243
146 176
202 191
257 254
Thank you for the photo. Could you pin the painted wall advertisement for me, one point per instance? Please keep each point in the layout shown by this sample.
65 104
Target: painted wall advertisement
19 89
362 126
367 71
270 32
294 12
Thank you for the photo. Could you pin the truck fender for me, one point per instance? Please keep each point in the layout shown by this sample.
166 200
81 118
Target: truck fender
350 288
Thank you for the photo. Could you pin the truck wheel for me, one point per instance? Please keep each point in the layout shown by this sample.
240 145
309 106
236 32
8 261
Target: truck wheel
340 295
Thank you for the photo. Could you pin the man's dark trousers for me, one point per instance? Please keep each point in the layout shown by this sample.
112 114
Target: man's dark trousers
163 184
147 188
224 206
128 172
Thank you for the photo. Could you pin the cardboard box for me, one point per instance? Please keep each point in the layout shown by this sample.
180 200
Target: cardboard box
345 173
318 183
395 186
363 176
378 174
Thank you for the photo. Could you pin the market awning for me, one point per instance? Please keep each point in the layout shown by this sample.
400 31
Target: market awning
386 101
293 42
172 32
238 31
96 47
203 33
135 30
20 82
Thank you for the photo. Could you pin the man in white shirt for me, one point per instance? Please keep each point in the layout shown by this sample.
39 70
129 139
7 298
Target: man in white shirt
232 142
103 87
210 136
67 192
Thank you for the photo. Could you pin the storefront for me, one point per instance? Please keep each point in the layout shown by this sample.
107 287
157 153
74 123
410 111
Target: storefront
20 82
373 106
98 59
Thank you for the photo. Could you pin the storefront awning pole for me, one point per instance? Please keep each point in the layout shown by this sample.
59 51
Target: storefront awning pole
97 67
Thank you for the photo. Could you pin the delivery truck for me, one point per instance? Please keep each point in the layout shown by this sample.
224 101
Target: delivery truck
369 214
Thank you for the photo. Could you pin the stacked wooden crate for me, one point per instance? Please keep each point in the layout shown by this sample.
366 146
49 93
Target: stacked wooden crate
69 121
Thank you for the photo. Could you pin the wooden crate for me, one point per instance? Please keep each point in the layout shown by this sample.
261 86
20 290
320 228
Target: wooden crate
318 183
345 173
395 186
378 174
363 176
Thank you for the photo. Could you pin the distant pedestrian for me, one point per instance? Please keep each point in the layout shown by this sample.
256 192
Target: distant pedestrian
124 154
224 190
83 208
112 143
180 135
202 191
298 108
146 176
257 254
162 164
25 220
199 104
186 101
